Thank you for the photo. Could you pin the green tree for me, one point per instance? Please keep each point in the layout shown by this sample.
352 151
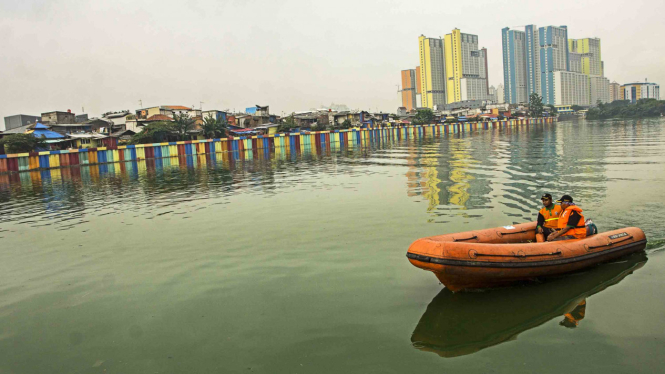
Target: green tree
214 128
552 109
535 105
576 108
346 124
156 132
22 143
182 123
287 124
423 116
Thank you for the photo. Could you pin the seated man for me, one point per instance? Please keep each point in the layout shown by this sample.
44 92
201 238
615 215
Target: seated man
548 217
571 221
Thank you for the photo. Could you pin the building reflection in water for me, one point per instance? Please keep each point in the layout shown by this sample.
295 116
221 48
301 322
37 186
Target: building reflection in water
458 324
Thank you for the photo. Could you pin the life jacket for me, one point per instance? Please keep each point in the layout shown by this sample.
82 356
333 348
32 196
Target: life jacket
551 216
579 231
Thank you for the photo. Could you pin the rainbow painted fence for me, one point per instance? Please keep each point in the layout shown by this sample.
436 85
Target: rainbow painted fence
295 142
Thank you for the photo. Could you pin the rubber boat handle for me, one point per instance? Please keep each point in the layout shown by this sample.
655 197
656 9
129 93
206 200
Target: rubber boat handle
461 240
611 242
512 232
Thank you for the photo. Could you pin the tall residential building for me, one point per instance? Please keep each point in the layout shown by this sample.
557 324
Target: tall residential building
500 94
514 65
466 68
599 90
553 57
432 72
575 62
532 59
614 91
589 49
409 84
419 96
492 94
637 91
571 88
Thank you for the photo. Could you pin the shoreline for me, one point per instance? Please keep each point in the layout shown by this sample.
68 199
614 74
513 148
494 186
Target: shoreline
35 161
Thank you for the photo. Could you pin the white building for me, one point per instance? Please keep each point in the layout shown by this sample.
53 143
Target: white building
473 89
571 88
599 90
500 95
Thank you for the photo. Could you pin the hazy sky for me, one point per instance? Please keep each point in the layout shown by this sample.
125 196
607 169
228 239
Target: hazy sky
291 55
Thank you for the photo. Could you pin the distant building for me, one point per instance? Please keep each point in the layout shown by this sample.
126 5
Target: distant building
575 62
216 114
432 72
614 91
81 117
12 122
500 94
401 111
167 110
599 90
54 118
410 84
637 91
570 88
589 52
466 68
514 66
119 119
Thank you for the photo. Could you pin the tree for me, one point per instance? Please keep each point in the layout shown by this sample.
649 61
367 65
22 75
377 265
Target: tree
552 109
423 117
346 124
535 105
182 124
287 124
22 143
214 128
156 132
576 108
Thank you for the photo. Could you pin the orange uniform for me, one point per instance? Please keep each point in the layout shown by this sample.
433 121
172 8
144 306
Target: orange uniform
551 216
579 230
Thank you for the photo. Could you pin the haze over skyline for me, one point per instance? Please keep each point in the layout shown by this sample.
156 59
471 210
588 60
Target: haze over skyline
291 55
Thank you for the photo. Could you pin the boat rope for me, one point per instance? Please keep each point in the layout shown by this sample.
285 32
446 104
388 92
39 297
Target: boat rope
611 242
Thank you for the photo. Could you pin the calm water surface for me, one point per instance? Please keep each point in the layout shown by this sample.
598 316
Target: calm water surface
296 263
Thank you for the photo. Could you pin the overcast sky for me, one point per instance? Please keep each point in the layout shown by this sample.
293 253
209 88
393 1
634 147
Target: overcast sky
291 55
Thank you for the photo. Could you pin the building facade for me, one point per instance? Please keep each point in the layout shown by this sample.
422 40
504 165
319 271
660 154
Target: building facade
12 122
589 50
466 68
409 89
53 118
553 57
599 90
432 72
500 94
614 91
638 91
514 66
570 88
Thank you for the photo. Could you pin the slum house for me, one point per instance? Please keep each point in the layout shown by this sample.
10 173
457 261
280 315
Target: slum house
118 118
52 118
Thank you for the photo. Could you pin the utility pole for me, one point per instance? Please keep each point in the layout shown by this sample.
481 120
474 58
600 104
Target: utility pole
141 103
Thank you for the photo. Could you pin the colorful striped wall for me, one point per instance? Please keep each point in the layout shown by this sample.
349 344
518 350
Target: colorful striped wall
295 142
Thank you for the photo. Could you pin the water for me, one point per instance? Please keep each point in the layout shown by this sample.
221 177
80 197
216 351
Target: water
296 263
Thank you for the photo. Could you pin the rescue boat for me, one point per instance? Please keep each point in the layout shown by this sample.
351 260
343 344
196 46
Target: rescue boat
504 255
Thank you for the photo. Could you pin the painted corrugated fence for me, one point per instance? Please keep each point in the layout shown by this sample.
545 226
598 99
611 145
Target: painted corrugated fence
242 146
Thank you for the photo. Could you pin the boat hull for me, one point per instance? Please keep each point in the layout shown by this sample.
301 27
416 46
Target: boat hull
501 256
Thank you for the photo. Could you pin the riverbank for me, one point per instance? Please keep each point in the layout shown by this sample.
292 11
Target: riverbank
294 141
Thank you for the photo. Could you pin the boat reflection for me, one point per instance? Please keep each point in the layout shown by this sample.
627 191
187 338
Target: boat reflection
458 324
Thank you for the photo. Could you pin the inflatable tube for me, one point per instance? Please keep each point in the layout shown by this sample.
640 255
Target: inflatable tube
504 255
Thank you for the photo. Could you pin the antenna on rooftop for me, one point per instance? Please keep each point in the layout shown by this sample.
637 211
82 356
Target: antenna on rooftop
141 103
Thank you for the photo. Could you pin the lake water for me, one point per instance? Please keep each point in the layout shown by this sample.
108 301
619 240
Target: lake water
296 263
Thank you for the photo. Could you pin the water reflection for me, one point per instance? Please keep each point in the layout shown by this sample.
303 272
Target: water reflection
458 324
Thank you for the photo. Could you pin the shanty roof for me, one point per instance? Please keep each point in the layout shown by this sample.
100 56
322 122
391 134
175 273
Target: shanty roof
18 130
159 117
176 107
42 131
87 135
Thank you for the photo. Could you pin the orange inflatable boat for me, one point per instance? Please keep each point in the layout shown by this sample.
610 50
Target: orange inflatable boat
504 255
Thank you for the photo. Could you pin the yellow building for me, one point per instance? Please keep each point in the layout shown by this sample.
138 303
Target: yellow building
589 48
466 68
432 74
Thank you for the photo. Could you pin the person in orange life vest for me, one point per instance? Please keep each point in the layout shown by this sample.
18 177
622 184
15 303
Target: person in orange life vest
548 217
571 221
